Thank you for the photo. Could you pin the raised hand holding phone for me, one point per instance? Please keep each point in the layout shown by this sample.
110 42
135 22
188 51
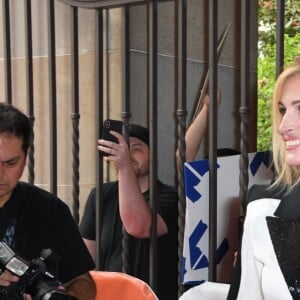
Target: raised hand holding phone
110 125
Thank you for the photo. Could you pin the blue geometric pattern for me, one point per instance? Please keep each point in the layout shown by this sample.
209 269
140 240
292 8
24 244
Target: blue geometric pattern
190 191
193 180
197 258
260 158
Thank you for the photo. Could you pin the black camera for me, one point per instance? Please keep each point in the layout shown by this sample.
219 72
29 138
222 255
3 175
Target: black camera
35 279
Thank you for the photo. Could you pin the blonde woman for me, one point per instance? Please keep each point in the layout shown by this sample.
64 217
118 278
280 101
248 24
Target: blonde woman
270 252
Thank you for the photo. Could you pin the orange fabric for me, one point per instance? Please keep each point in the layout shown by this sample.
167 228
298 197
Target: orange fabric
121 286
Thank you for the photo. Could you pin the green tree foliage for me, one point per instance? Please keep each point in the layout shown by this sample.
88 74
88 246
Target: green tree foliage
267 59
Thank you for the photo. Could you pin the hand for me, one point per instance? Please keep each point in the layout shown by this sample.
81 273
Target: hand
206 98
117 152
6 278
235 258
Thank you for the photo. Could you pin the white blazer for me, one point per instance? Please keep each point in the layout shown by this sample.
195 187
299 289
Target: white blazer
261 277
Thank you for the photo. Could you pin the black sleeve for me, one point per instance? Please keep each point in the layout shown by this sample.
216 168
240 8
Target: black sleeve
87 225
167 203
76 259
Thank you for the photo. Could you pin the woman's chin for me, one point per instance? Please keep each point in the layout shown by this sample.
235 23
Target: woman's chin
293 159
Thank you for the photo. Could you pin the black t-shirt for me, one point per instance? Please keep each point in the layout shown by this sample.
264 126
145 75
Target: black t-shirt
111 238
34 219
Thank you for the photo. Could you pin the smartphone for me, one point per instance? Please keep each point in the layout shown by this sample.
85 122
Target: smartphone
109 125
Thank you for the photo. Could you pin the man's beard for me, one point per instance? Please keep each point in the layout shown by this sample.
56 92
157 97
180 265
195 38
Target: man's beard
141 170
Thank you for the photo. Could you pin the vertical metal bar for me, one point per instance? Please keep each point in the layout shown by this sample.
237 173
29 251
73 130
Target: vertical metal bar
75 113
153 138
99 118
125 64
126 111
52 97
245 58
106 38
280 36
213 125
180 78
29 83
7 51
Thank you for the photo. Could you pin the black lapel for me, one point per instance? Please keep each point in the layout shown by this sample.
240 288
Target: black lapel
285 236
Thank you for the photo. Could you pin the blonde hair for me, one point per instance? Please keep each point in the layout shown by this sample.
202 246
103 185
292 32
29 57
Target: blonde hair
286 175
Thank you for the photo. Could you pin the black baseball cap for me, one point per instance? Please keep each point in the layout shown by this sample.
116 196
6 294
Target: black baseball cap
139 132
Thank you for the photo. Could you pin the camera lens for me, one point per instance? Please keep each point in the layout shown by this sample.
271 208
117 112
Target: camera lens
43 289
57 295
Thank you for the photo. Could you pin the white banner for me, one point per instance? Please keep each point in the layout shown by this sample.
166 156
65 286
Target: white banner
195 249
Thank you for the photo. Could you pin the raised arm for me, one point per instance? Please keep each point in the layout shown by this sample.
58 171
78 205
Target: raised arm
196 131
134 211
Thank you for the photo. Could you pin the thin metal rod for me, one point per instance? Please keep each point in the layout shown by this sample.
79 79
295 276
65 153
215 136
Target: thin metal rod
204 88
280 36
245 58
181 83
107 68
153 139
125 113
29 84
52 96
99 118
7 51
75 113
213 125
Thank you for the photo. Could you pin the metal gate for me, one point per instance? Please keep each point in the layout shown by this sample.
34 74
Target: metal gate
18 41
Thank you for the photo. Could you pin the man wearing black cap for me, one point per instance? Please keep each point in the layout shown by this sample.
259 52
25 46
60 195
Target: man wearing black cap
126 204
